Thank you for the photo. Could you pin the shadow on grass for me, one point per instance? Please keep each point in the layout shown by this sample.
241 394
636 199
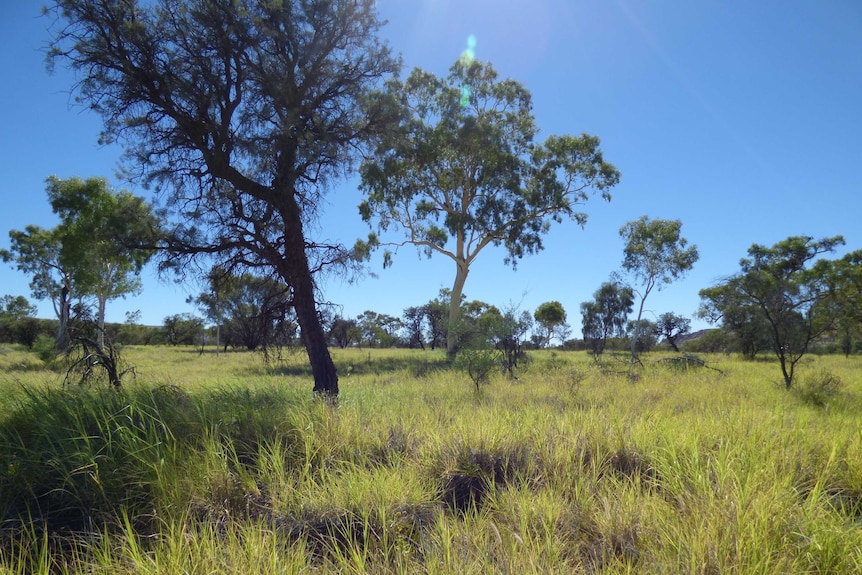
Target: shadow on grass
369 363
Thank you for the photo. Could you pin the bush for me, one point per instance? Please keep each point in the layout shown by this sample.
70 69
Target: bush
820 389
478 363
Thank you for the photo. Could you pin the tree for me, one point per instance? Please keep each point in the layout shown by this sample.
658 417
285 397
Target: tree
656 255
18 322
507 331
642 335
551 317
92 252
242 113
606 315
463 172
739 317
413 323
795 294
378 329
183 329
100 231
345 331
36 252
847 278
671 326
253 311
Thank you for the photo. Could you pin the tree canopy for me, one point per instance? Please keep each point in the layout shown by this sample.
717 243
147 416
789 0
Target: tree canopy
94 252
241 113
463 171
606 315
655 254
791 288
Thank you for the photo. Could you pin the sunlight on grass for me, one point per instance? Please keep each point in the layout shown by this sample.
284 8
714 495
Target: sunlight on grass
227 464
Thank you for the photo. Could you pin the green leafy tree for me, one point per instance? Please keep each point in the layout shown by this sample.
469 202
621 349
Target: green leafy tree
253 311
847 279
793 289
183 329
606 315
463 172
671 327
551 317
101 233
655 254
344 332
36 252
642 335
413 323
18 322
507 332
378 329
242 113
740 318
437 317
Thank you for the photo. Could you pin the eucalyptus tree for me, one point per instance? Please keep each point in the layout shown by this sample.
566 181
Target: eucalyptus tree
792 288
606 315
551 317
241 113
671 327
655 254
36 252
101 233
463 172
248 310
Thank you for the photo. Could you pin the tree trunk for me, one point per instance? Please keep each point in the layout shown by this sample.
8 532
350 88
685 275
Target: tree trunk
100 321
63 312
296 272
452 334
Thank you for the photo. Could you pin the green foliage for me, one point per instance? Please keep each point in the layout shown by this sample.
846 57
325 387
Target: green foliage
655 254
183 329
97 250
244 113
820 389
457 179
551 316
605 316
234 468
786 288
248 310
17 321
345 332
479 364
671 326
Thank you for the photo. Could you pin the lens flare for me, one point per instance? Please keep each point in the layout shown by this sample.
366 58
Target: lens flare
467 58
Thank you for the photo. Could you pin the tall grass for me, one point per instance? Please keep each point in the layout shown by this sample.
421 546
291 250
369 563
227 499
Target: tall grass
228 465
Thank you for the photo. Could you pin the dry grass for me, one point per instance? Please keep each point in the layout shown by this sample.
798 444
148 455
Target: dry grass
225 464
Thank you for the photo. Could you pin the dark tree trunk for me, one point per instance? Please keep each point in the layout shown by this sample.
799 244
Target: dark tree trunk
297 274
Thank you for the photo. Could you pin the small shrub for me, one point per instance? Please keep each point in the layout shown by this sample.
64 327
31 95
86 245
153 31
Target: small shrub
479 364
820 389
45 349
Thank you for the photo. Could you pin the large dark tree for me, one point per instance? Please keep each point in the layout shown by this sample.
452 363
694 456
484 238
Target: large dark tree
241 112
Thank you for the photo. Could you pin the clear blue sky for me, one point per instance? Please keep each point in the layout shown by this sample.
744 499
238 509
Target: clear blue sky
740 118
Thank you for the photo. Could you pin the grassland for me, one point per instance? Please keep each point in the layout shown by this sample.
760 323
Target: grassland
207 464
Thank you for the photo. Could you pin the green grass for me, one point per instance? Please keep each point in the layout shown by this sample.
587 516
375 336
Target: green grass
206 464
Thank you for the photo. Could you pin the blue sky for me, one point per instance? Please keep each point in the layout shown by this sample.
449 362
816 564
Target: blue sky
740 118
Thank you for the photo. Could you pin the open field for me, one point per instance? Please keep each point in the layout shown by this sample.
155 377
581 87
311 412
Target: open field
208 464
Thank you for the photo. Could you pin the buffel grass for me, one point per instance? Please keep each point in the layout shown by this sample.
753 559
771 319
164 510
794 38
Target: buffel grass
206 464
